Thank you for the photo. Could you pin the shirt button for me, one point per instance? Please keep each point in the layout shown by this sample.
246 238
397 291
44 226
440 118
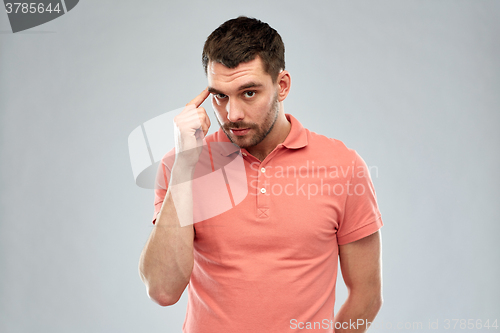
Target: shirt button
263 190
263 170
244 154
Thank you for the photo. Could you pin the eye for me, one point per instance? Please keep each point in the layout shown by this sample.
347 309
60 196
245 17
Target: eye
220 96
249 94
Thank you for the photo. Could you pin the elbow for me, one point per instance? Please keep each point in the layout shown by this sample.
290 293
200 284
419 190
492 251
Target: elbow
155 292
161 295
162 298
164 291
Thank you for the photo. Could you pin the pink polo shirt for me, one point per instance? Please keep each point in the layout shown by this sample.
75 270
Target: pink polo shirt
270 261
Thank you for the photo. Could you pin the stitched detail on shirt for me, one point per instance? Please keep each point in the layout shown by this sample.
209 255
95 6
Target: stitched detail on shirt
263 212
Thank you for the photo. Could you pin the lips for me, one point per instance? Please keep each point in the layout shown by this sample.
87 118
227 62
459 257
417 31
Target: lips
239 131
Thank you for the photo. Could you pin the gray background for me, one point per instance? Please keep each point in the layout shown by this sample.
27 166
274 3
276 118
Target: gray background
413 86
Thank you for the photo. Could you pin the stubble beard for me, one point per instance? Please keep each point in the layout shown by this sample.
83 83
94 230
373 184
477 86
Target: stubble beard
261 132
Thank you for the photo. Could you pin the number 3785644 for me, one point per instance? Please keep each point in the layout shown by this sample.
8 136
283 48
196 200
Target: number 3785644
31 8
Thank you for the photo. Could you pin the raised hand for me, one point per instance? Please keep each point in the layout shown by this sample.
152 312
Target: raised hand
191 126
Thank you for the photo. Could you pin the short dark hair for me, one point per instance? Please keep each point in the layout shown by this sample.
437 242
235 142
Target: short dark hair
240 40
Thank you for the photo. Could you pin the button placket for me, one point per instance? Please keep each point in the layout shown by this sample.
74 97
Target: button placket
263 194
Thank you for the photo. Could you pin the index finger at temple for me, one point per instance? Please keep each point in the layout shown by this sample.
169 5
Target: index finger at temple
198 100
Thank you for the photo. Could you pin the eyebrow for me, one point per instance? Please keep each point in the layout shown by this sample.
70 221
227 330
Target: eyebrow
242 87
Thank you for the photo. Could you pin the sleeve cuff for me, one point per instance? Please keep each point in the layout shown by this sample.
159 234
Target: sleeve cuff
361 232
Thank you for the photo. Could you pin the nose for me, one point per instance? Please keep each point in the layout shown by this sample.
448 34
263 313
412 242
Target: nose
234 111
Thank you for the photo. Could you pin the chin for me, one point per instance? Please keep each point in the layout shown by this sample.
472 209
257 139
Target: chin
241 142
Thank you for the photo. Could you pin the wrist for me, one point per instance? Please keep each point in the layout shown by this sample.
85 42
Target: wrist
181 172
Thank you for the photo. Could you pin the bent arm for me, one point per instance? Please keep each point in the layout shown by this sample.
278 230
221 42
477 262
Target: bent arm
166 261
361 266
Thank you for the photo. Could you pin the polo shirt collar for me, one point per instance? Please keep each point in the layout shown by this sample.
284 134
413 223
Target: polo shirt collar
297 138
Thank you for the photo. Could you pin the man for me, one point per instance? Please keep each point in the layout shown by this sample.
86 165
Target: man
269 264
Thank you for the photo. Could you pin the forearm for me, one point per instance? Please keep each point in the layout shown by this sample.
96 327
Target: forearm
167 259
358 311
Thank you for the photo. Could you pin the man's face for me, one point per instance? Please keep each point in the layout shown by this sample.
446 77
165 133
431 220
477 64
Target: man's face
245 101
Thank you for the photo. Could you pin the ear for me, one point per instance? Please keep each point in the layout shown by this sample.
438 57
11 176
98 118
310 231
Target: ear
284 82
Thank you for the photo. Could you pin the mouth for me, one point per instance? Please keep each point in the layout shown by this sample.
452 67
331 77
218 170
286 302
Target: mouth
239 131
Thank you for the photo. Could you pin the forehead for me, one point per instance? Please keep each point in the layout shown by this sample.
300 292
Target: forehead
221 77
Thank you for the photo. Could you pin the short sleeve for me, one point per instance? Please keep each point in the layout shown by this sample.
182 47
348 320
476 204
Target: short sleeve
361 213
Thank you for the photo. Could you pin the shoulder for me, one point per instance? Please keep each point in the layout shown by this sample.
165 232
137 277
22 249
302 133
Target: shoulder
330 146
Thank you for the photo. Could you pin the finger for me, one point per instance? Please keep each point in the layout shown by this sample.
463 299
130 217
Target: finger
200 98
